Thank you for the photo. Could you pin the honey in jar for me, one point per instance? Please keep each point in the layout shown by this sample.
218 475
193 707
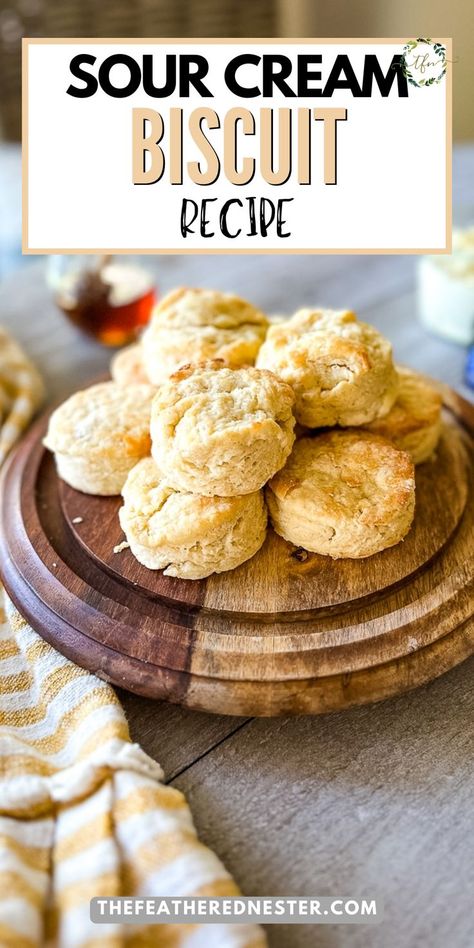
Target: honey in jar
106 298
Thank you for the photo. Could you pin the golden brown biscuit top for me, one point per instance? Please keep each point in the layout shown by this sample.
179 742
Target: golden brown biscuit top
195 307
156 512
345 474
418 405
333 338
307 319
210 399
104 419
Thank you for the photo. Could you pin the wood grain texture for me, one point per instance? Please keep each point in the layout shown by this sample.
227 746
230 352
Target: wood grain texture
175 736
274 636
373 801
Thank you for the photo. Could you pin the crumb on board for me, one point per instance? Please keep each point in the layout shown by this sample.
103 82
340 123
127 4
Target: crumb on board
77 520
121 546
54 565
300 554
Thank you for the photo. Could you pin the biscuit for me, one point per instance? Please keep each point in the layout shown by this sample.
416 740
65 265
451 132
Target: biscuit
341 370
198 325
223 431
187 535
343 494
414 421
126 367
99 434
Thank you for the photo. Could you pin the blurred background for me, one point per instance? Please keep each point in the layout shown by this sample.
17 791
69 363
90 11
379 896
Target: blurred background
185 18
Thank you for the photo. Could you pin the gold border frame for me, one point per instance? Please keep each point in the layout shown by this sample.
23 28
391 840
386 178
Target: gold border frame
69 41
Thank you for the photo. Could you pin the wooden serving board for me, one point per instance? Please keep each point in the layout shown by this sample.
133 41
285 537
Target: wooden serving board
280 634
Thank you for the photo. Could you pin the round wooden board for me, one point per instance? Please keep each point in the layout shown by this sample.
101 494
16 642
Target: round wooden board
277 635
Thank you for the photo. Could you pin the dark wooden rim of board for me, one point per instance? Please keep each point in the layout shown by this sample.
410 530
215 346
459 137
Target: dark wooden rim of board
360 650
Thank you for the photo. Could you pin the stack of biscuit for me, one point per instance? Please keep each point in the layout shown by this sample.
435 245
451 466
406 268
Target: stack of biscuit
191 325
349 492
197 431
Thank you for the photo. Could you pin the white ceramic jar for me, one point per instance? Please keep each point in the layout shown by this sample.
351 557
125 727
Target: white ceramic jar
446 290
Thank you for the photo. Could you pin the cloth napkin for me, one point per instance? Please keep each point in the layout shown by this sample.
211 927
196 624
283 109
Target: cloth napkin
83 811
21 392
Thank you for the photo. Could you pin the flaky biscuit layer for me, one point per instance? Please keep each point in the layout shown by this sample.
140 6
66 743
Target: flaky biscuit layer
343 494
188 535
217 430
414 421
341 369
193 325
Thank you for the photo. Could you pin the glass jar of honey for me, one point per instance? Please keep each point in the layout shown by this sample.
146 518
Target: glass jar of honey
107 297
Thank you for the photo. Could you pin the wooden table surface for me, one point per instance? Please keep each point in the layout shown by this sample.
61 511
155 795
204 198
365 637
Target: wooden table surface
373 801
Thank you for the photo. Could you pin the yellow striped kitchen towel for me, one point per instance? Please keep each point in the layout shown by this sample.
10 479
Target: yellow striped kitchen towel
21 392
83 811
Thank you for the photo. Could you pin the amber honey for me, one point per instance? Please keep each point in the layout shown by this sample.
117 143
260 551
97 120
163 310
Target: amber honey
111 303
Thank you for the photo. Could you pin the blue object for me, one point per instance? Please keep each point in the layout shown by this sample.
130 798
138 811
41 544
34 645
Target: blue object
469 371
